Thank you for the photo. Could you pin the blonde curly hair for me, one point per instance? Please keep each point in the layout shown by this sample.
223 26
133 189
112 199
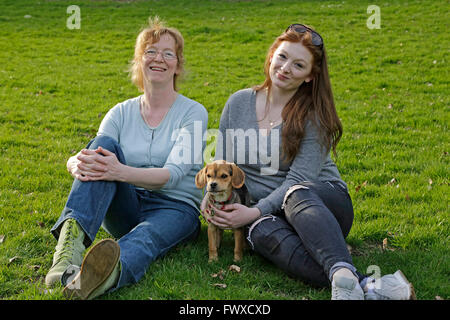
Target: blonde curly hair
149 35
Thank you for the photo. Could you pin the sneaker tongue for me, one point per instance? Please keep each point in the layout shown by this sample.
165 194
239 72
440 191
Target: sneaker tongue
345 283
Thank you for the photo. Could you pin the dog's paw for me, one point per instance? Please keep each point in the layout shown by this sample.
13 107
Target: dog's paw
213 259
237 258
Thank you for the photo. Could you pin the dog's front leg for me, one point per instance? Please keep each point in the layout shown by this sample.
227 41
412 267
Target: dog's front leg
239 240
212 242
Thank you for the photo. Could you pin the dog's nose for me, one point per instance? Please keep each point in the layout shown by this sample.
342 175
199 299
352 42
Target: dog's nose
213 185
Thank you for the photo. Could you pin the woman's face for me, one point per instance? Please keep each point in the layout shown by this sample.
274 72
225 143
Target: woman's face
160 62
290 66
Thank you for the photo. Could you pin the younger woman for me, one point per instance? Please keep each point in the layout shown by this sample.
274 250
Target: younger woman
281 134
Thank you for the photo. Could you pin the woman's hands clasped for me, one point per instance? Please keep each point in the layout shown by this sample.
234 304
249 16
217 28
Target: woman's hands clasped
233 216
95 165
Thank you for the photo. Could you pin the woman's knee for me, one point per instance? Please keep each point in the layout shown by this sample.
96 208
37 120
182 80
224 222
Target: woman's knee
258 232
274 239
103 141
109 144
300 199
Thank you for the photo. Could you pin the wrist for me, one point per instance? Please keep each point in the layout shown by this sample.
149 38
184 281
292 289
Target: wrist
256 213
122 173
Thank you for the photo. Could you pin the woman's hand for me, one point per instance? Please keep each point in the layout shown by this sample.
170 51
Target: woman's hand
101 164
95 165
75 171
234 216
203 205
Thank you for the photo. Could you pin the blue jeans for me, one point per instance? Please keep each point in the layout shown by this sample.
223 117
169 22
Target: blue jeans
148 223
307 240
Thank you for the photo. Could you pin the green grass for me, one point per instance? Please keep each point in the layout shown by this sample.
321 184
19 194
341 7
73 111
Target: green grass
391 91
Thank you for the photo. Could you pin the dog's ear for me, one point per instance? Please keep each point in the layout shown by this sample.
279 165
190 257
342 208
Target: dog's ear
200 178
238 176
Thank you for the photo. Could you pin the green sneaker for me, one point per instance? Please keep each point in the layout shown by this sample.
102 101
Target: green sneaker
68 251
99 273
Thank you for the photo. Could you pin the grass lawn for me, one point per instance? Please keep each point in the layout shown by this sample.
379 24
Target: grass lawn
391 90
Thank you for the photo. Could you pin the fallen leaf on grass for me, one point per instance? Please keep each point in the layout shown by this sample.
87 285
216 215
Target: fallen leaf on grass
438 298
2 238
386 246
218 274
385 243
360 186
220 285
235 268
390 183
13 259
349 248
35 267
430 182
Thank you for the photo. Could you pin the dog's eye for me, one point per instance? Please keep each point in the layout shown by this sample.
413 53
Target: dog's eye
208 175
224 176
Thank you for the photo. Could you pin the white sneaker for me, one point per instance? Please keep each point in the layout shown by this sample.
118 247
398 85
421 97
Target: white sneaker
343 288
390 287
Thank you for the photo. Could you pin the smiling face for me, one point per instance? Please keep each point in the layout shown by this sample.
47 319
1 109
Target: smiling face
161 68
290 66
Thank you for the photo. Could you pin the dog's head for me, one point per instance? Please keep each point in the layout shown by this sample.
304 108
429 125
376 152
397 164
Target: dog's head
220 177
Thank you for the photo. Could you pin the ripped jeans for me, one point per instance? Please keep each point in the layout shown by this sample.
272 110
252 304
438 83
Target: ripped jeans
307 240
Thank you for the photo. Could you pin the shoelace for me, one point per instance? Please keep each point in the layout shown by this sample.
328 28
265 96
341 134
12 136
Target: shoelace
341 293
67 247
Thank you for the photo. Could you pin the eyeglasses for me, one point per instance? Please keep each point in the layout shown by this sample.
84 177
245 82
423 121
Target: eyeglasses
166 54
300 28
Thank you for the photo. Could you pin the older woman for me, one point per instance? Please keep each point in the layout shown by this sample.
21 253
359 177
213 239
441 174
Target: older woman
302 210
136 178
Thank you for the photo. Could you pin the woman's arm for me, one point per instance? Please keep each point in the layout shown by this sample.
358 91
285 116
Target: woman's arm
306 166
102 164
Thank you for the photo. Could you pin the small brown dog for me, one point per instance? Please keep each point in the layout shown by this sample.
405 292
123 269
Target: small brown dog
224 185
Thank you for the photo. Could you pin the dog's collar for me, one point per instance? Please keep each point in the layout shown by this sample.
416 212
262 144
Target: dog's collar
222 203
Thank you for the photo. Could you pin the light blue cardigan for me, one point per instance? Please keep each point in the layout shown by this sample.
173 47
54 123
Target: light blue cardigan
176 143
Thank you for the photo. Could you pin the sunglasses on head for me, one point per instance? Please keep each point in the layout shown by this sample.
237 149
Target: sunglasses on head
300 28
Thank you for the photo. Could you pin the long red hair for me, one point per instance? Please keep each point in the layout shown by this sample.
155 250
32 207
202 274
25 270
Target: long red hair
312 100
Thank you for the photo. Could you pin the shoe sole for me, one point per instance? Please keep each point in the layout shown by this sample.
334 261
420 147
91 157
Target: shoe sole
97 266
401 277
